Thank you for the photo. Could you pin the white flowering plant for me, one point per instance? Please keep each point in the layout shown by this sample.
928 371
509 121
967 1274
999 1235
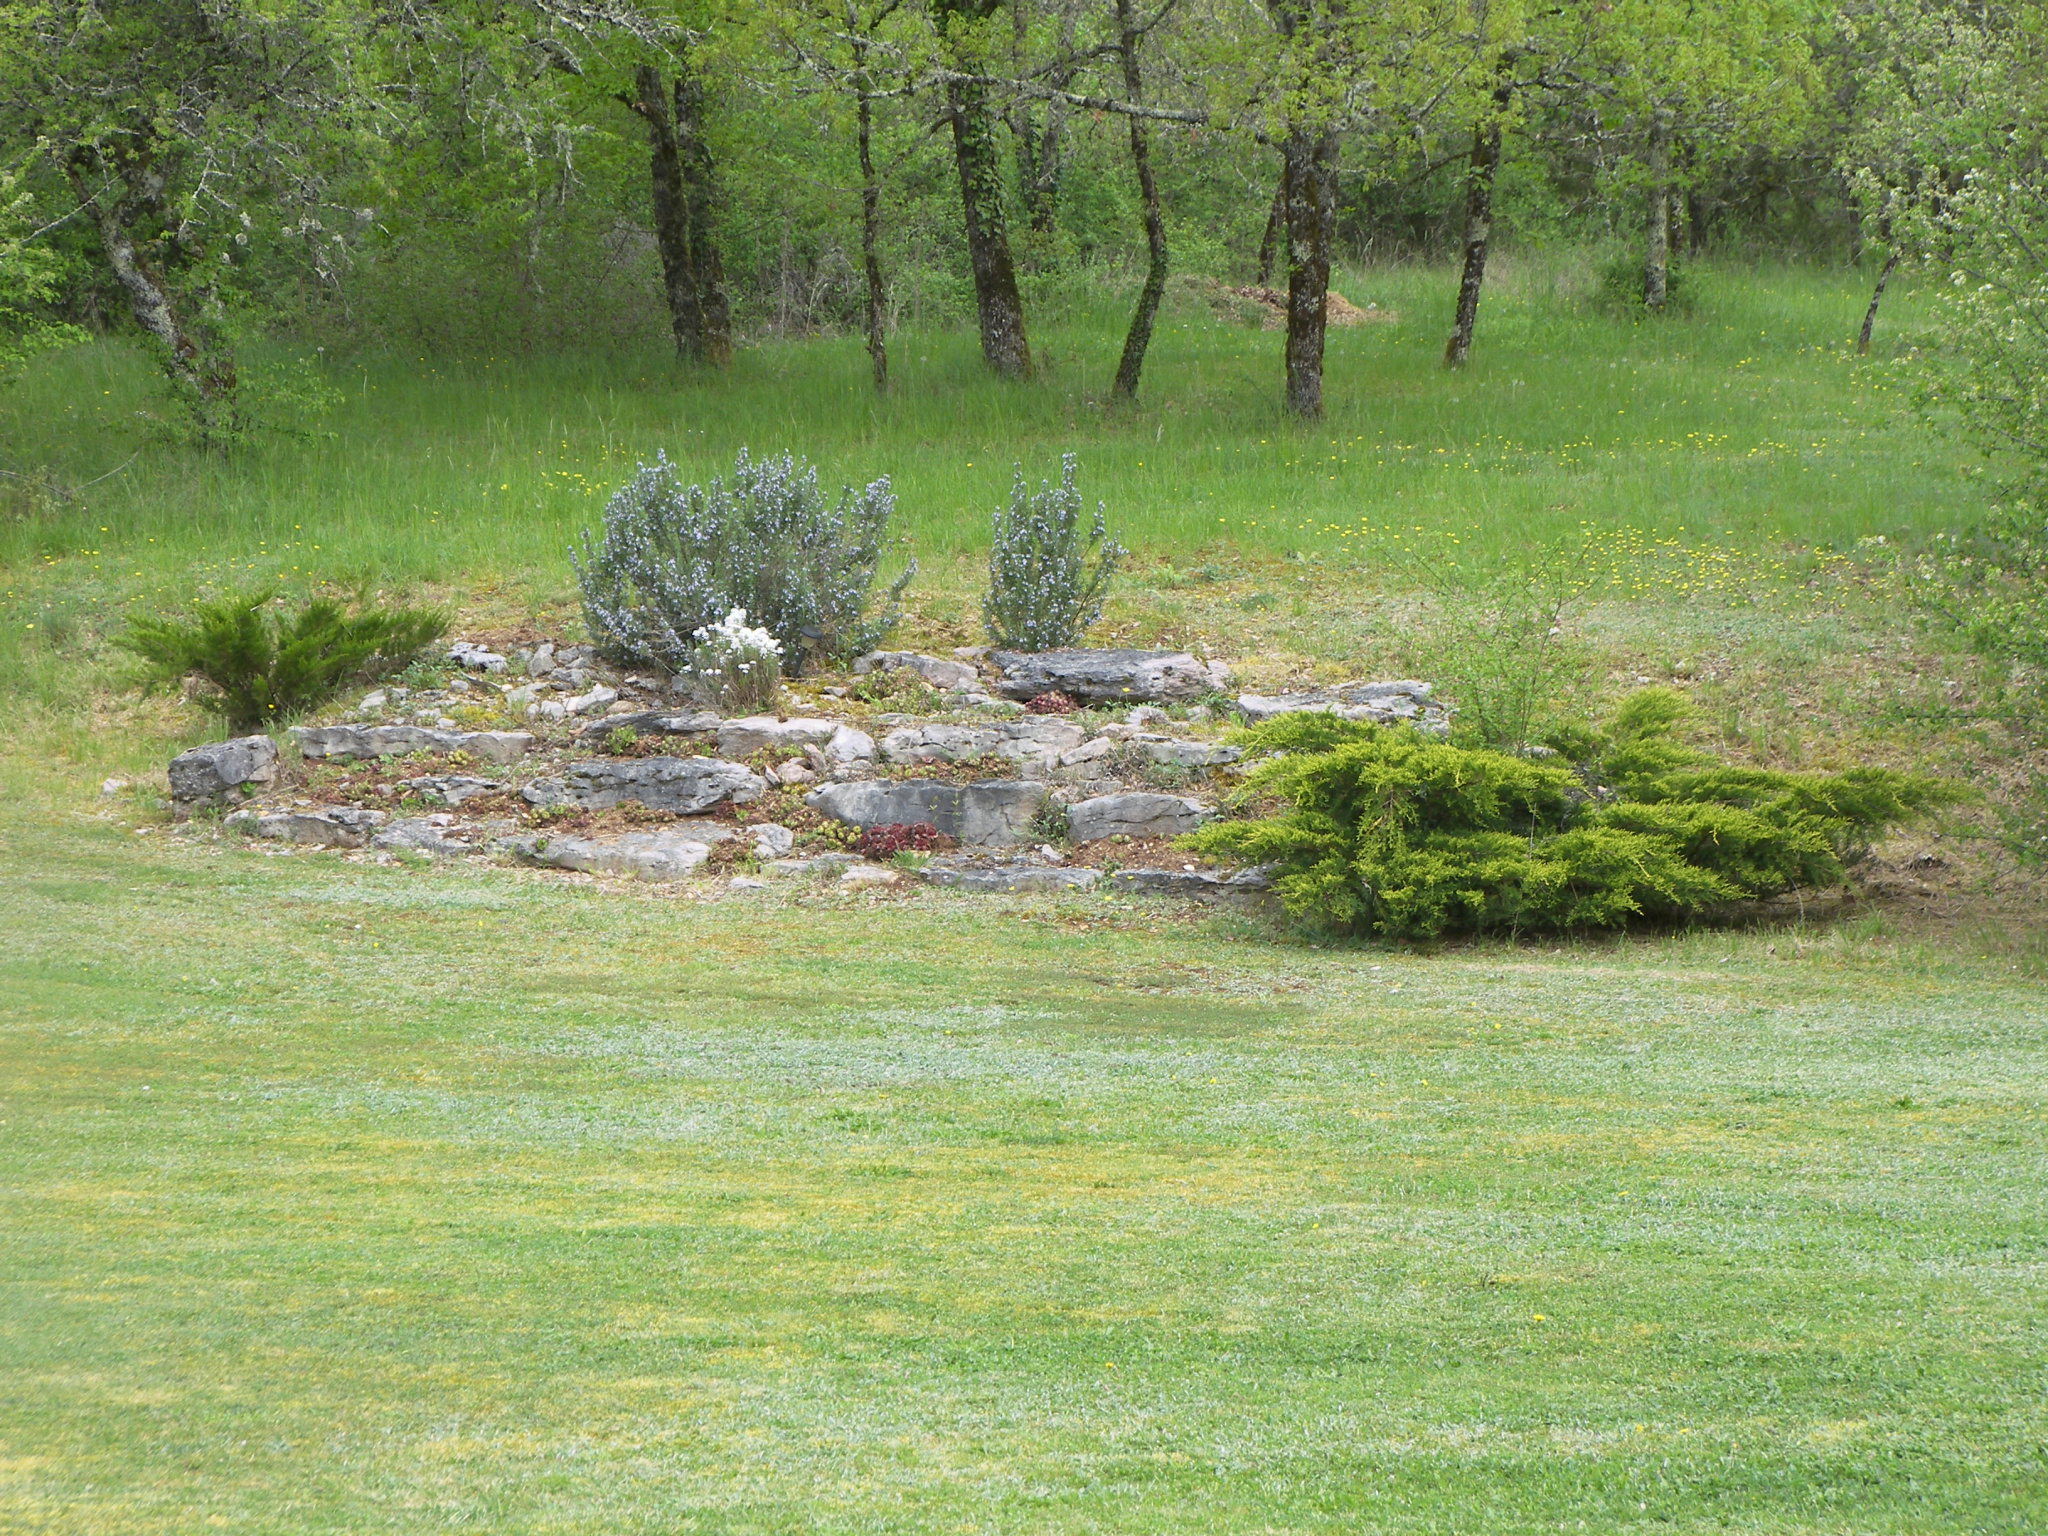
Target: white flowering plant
733 668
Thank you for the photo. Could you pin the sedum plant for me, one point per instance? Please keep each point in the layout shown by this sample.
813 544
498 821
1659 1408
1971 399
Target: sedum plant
1042 592
265 667
734 669
1390 832
676 558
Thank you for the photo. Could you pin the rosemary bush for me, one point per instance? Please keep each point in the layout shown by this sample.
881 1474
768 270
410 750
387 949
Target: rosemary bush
1390 832
678 558
1041 593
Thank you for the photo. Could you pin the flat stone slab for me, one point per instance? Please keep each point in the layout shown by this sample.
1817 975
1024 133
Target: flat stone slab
684 785
336 827
1187 882
1381 703
657 722
1134 815
1005 879
997 811
1178 753
437 834
664 855
1108 677
1039 738
935 670
221 772
361 741
754 733
451 789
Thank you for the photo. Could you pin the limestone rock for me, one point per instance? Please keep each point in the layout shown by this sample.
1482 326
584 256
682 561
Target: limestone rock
596 702
743 738
1188 882
935 671
1099 677
335 827
1381 703
1035 738
997 811
222 772
451 789
685 785
663 855
772 841
359 741
1006 878
478 658
656 722
859 875
1134 815
1087 752
435 834
849 746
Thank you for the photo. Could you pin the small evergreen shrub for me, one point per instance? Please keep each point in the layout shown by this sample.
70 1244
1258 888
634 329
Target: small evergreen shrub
266 667
1394 833
1042 595
677 558
732 668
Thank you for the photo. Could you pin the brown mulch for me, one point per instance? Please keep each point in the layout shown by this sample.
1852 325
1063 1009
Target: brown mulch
1137 853
1337 310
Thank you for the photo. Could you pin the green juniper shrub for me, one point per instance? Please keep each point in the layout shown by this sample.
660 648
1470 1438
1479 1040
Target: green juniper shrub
1042 593
1395 833
265 666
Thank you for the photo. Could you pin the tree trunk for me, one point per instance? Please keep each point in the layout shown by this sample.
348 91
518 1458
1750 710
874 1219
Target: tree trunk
1311 221
1276 220
1004 346
700 193
1656 216
671 213
1479 175
870 208
1139 337
1877 295
206 372
1044 190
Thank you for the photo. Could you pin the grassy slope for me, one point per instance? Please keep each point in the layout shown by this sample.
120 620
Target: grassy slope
1748 424
346 1199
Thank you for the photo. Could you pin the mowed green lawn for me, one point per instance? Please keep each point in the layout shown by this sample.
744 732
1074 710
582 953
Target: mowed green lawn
339 1198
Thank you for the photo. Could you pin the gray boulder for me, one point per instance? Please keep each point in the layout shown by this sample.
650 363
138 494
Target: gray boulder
657 722
360 741
664 855
222 772
1036 738
1188 882
1007 878
743 738
772 841
1107 677
1381 703
435 834
339 826
684 785
998 811
451 789
1187 754
1134 815
936 671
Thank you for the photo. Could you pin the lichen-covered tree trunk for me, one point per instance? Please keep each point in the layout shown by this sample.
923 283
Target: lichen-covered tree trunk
1311 230
1876 298
1004 346
1479 174
671 213
1139 337
870 209
700 194
1657 213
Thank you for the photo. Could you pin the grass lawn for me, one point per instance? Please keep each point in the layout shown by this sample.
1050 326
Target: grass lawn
354 1199
337 1197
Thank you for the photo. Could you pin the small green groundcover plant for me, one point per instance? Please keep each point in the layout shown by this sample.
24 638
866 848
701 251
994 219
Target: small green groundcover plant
1042 591
1391 832
266 665
675 559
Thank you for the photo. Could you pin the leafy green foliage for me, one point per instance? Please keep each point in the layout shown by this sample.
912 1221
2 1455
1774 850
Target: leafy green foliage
1041 592
1390 832
266 667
